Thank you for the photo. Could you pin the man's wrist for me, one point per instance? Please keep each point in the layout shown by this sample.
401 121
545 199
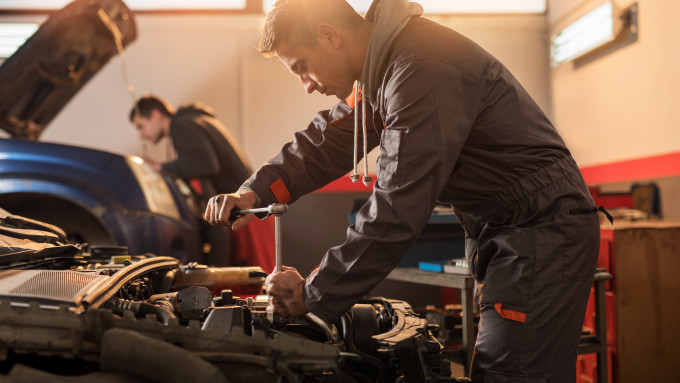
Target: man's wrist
253 198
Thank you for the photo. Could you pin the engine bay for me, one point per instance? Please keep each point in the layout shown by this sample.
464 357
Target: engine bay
72 311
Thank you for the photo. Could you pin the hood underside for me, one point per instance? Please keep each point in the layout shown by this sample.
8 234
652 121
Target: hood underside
44 74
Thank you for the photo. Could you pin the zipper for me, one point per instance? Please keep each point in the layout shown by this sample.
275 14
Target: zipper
585 210
592 210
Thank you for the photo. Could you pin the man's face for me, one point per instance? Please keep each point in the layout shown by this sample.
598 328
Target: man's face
320 68
150 129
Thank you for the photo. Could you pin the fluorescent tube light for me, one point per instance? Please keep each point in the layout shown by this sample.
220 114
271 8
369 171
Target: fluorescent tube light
590 31
14 35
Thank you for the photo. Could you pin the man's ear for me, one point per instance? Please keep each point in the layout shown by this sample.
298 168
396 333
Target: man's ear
329 34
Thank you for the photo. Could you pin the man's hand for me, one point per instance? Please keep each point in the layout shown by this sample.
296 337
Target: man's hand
285 292
220 206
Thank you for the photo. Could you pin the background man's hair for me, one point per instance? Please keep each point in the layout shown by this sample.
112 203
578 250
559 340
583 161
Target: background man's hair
149 102
294 22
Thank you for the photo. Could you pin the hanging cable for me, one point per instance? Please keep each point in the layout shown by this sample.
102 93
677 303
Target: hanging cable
118 39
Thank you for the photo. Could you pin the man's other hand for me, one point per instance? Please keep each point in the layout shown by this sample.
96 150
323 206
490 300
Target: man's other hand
220 206
285 292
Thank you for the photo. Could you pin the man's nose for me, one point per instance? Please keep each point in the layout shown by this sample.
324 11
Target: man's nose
308 84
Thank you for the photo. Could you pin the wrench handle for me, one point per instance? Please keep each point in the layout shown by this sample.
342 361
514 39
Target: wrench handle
277 240
277 210
236 213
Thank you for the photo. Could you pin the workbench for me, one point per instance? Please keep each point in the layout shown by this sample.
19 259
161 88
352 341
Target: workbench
465 283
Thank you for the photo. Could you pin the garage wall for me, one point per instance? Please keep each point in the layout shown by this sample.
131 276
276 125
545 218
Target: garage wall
213 58
623 105
620 106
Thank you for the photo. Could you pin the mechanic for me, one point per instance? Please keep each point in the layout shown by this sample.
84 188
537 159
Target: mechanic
455 127
209 162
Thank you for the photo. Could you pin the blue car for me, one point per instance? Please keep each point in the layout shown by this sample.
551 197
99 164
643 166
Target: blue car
97 197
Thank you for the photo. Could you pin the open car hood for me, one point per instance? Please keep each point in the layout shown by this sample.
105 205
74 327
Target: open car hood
59 59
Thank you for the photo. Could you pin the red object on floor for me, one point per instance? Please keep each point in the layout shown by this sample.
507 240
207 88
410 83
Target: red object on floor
586 367
254 245
586 364
589 319
610 301
449 296
611 200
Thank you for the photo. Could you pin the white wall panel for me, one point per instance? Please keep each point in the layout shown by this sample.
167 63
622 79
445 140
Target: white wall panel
623 105
213 58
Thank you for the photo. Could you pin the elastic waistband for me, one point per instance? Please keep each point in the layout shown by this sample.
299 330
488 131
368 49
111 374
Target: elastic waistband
563 173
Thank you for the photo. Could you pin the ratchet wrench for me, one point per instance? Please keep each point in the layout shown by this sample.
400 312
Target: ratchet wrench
277 209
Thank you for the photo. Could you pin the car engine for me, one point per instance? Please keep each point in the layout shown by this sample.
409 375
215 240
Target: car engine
68 311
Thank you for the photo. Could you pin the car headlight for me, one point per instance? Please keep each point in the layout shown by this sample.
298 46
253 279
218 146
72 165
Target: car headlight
156 191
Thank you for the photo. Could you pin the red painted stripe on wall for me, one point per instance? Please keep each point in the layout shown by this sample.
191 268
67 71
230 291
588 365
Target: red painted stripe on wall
664 165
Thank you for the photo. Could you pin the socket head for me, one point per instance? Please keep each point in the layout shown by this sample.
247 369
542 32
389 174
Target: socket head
278 208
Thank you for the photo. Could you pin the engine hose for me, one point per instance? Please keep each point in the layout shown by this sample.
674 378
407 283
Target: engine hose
258 360
153 360
162 309
287 373
331 332
348 334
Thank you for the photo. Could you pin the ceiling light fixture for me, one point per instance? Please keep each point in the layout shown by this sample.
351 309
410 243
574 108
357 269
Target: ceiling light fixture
588 31
13 35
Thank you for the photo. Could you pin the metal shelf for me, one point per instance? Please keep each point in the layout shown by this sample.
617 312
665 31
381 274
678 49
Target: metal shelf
465 283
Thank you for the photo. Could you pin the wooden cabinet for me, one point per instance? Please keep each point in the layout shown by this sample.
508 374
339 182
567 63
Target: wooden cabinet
643 300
